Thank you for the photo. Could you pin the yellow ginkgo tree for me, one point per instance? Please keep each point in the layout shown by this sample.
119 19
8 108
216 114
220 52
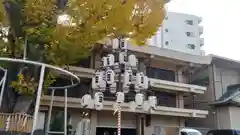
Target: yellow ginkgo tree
60 32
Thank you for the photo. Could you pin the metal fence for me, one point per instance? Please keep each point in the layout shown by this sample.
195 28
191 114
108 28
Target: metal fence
16 122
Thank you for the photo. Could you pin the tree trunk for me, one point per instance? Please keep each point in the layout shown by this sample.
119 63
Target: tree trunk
9 96
23 104
12 101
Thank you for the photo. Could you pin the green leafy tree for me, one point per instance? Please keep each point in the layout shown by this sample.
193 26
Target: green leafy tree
35 27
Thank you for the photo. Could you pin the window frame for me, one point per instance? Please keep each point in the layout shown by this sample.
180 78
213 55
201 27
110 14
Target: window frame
189 46
167 43
55 111
188 22
158 73
184 133
190 34
166 99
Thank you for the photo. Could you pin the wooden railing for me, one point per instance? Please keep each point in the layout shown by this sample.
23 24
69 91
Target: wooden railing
17 122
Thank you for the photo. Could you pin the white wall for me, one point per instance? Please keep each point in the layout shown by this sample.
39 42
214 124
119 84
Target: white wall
167 125
235 119
224 78
41 120
176 26
224 118
129 120
229 118
107 119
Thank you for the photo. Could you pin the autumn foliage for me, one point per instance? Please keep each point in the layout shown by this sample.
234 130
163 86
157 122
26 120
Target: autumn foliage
89 21
60 32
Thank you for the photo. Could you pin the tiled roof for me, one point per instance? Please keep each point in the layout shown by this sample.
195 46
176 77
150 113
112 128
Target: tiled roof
230 97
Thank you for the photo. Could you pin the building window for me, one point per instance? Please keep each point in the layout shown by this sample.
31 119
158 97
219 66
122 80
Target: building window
130 96
57 122
162 74
201 81
166 30
166 99
108 96
166 18
166 42
74 92
189 34
189 22
84 62
191 46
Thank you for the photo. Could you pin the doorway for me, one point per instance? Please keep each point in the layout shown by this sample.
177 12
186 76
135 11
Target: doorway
113 131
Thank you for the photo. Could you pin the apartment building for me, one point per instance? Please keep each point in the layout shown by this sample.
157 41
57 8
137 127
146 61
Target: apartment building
222 78
180 32
170 80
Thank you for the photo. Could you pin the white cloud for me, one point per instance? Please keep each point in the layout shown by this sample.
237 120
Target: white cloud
221 23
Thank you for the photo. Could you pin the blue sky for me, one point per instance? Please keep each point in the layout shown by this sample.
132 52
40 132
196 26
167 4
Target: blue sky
221 21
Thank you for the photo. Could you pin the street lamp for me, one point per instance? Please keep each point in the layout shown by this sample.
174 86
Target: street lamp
64 19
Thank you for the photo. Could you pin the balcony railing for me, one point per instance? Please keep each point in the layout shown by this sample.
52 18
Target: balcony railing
176 86
156 83
82 72
108 105
16 122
